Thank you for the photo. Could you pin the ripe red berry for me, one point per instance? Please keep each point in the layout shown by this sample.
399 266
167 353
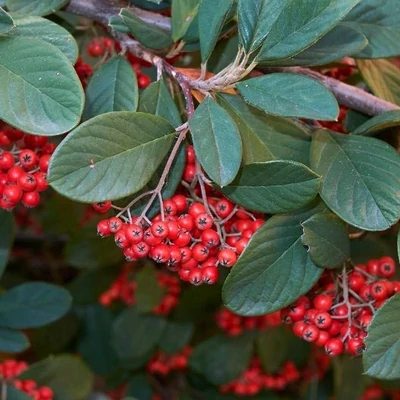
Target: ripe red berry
121 240
210 238
196 276
227 257
160 253
323 337
95 48
323 320
210 275
44 162
196 209
334 347
30 199
6 161
102 207
200 252
224 208
323 302
14 173
27 182
355 346
144 81
170 208
379 291
186 222
311 333
12 194
180 202
28 159
298 328
141 249
387 267
373 267
203 221
114 224
103 228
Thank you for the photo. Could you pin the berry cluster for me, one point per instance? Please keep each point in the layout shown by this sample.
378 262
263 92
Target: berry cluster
192 236
336 313
9 371
375 392
24 160
84 71
234 324
105 46
124 287
164 364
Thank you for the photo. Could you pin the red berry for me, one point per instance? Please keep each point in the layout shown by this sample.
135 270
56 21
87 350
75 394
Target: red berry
210 275
186 222
224 208
160 229
379 291
14 173
373 267
298 328
189 173
323 320
203 221
190 155
95 49
141 249
30 199
200 252
12 194
6 161
144 81
102 207
196 277
180 201
41 182
355 346
323 337
227 257
196 209
103 228
334 347
387 267
27 182
134 233
210 238
121 240
114 224
323 302
310 333
44 162
28 159
160 253
170 208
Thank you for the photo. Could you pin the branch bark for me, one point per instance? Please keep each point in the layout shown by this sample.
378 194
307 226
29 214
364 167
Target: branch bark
101 10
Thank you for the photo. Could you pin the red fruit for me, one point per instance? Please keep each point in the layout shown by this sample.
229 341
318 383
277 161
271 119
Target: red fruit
379 291
41 182
311 333
186 254
134 233
114 224
210 275
200 252
160 229
102 207
28 159
341 311
227 257
14 173
210 238
121 240
103 228
173 230
323 302
150 239
365 293
298 328
196 276
203 221
387 267
5 141
334 347
323 320
296 312
323 337
241 245
141 249
196 209
356 281
95 49
183 239
373 267
355 346
224 208
175 255
6 161
30 199
309 316
334 330
190 156
12 194
257 224
181 202
190 264
27 182
160 253
365 320
170 208
144 81
44 162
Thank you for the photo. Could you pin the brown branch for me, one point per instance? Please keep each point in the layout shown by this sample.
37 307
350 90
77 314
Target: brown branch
101 10
347 95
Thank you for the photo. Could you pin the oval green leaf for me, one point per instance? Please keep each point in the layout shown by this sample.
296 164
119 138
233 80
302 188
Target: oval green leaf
110 156
42 28
113 87
360 178
176 336
273 187
68 376
41 95
309 20
135 335
216 141
6 22
183 13
327 240
383 121
222 359
290 95
274 270
265 137
382 356
379 22
12 341
35 7
31 305
211 21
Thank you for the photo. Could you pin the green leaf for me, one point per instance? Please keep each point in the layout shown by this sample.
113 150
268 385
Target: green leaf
113 87
256 18
308 21
349 382
342 41
55 337
94 342
222 359
85 249
354 119
7 231
211 21
273 187
277 345
148 34
35 7
382 121
66 375
6 22
139 388
383 77
382 356
46 96
361 178
149 293
117 25
274 270
182 14
290 95
42 28
157 100
135 335
327 240
379 22
12 341
265 137
117 145
176 336
15 394
32 305
216 141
